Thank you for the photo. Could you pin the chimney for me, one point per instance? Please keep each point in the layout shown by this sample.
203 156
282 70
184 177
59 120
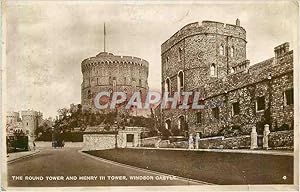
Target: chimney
281 49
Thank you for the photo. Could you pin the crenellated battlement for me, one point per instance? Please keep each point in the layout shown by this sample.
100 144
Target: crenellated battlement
12 114
244 65
109 58
109 72
205 28
281 50
29 113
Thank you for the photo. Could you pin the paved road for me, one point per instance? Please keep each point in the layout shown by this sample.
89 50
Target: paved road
69 162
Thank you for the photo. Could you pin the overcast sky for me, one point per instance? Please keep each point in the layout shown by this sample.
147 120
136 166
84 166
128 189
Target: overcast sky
46 42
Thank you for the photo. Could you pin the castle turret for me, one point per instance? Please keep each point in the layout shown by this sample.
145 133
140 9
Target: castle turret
201 52
30 124
12 117
197 54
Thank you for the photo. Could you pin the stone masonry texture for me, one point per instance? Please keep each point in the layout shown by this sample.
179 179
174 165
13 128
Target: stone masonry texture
197 47
108 72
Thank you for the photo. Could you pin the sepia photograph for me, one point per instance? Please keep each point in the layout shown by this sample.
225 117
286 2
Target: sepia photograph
150 95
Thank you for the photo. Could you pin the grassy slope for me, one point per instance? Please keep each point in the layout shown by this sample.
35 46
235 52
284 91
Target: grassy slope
213 167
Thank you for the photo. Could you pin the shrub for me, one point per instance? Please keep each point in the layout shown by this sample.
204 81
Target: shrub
284 127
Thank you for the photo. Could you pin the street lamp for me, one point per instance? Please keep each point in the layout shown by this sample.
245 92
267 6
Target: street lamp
52 129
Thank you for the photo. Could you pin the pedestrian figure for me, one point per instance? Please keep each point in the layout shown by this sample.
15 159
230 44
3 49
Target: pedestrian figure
33 145
191 142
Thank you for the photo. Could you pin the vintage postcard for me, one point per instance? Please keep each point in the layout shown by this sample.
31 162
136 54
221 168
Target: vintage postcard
150 95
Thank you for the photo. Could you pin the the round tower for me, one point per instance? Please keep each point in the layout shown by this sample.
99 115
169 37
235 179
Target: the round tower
110 73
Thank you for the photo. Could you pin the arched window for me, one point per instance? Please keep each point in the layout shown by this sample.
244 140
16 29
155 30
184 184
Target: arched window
232 70
213 70
126 93
180 54
133 83
110 91
181 123
109 80
180 79
89 94
168 124
167 85
222 50
232 51
141 93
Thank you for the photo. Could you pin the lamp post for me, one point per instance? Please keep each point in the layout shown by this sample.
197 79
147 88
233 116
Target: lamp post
52 129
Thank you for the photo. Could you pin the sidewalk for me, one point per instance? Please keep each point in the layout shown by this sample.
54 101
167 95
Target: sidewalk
20 155
267 152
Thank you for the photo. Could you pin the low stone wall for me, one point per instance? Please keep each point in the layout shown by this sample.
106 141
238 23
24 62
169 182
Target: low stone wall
282 140
150 141
241 142
164 144
179 144
99 141
211 142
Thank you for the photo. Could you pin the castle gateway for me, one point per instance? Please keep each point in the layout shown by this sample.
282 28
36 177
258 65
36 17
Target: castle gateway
210 58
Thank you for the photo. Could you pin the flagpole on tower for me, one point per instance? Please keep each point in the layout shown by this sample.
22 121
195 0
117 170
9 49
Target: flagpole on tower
104 32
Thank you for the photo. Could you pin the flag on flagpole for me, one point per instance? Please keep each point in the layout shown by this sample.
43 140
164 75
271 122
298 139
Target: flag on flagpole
104 32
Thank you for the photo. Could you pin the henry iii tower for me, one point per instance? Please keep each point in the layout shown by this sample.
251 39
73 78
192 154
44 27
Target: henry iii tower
108 72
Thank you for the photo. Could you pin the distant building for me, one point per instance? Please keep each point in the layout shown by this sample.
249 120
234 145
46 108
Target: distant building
13 122
26 124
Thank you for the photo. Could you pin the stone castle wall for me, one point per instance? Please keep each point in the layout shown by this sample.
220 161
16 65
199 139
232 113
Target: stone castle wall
235 81
99 141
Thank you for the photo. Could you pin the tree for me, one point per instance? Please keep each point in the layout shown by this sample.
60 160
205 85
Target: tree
63 112
42 128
